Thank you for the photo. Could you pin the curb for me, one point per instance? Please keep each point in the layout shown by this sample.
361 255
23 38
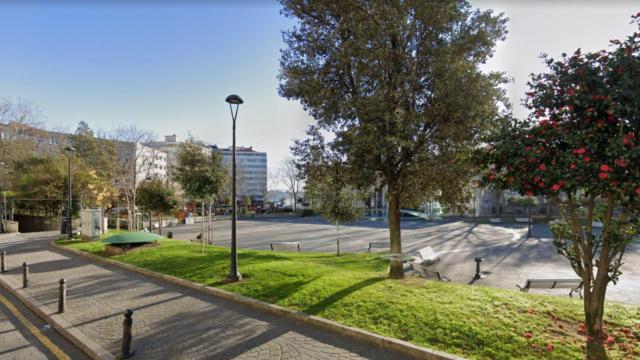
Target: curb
405 347
73 335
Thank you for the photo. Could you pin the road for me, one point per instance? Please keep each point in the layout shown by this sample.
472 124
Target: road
508 257
25 336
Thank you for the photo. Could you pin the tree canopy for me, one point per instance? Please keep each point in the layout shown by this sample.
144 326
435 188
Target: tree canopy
199 171
156 197
398 87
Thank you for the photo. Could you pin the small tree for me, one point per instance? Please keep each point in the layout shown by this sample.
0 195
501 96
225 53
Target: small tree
156 197
337 205
290 176
581 149
247 204
200 173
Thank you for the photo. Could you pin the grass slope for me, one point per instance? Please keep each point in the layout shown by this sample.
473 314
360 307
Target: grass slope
472 321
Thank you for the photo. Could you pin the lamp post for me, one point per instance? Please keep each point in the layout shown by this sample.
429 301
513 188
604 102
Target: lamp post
70 152
234 274
4 193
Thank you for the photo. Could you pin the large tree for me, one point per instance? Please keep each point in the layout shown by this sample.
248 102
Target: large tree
580 148
200 173
135 162
397 84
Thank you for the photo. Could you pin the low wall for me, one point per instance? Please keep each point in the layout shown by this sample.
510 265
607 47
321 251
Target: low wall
28 223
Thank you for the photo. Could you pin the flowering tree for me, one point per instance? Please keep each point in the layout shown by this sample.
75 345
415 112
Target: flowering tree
580 149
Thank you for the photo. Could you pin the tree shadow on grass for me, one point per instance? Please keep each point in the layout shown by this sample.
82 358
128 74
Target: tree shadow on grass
283 291
328 301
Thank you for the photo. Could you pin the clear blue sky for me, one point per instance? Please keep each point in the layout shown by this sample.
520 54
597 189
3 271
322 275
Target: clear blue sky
168 67
160 66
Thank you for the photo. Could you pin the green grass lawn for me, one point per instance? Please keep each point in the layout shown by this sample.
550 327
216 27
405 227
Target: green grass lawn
471 321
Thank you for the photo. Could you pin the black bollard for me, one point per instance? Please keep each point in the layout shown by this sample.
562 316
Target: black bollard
126 334
3 261
477 276
25 274
62 296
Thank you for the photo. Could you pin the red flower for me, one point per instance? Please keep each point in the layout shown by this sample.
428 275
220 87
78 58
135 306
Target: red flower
542 167
622 162
536 179
582 329
628 139
556 187
605 168
638 192
600 124
573 166
541 184
603 175
529 193
580 151
571 92
530 94
528 335
614 183
491 177
550 347
611 340
586 159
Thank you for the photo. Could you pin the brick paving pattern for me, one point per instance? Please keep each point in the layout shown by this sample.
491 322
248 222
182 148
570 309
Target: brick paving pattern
170 322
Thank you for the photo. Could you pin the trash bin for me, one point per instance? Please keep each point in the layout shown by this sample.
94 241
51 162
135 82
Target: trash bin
170 235
64 223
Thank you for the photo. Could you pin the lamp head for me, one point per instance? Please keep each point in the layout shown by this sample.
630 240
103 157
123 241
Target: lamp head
70 150
234 99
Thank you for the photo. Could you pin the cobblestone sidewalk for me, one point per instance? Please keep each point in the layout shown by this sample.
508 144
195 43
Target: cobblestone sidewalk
170 322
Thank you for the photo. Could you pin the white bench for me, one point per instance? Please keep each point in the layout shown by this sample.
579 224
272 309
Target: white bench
574 284
495 220
378 246
426 256
285 246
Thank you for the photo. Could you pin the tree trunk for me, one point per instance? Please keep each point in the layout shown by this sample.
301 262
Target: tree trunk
594 310
396 270
202 228
338 238
160 225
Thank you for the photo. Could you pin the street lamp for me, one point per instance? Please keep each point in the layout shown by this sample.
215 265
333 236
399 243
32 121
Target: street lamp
234 274
70 152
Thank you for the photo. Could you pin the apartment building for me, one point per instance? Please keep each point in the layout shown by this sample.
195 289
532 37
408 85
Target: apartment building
251 168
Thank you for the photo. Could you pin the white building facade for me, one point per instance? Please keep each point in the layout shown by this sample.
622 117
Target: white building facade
251 168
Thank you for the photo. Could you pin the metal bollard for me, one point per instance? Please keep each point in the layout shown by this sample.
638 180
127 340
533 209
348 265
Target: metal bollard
62 296
3 261
126 334
25 274
477 276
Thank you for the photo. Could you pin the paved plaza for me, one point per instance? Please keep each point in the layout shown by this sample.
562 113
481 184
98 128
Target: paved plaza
509 258
170 322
